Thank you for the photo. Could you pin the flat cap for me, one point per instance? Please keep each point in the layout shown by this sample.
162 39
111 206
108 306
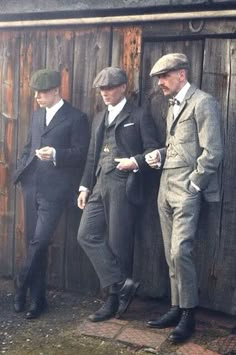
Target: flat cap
45 79
110 76
171 61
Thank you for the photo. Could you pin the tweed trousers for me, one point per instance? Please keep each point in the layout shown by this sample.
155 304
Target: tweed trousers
179 213
106 231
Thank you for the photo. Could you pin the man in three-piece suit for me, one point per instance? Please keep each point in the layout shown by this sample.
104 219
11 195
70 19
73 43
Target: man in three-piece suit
190 161
111 190
49 169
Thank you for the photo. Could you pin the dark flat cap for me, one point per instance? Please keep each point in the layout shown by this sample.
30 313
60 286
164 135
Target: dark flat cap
171 61
110 76
45 79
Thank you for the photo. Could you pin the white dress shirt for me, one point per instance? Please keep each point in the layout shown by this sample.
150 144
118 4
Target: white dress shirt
180 97
51 111
115 110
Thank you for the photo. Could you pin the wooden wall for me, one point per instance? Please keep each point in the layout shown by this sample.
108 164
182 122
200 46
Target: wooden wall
79 53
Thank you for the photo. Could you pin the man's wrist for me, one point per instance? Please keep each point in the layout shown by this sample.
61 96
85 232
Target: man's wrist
83 189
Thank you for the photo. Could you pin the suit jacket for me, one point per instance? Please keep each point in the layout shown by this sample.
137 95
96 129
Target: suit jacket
68 133
135 133
195 135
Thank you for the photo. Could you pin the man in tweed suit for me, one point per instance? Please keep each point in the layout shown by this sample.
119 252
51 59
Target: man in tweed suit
111 190
48 170
190 161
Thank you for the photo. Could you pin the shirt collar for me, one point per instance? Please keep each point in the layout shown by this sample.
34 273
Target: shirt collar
181 94
118 107
52 110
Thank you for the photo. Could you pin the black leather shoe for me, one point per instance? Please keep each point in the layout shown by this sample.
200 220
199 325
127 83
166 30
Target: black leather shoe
126 295
185 327
169 319
107 311
35 309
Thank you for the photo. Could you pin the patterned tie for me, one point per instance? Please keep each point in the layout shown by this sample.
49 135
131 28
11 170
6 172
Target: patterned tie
172 102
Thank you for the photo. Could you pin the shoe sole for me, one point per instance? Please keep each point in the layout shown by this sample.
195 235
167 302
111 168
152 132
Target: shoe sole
94 320
119 313
163 326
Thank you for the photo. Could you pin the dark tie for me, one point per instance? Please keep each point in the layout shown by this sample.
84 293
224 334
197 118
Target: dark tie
172 102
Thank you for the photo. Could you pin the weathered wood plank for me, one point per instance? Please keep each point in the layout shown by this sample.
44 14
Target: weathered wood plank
126 53
193 28
32 57
60 46
219 260
9 113
91 55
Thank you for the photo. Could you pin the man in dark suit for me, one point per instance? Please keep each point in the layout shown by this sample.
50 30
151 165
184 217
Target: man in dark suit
111 190
48 170
190 161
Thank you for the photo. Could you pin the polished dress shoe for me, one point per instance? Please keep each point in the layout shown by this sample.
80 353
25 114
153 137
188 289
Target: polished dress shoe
35 309
126 295
107 311
169 319
185 327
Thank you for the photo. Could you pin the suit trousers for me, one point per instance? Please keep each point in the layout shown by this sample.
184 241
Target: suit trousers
179 214
41 219
106 231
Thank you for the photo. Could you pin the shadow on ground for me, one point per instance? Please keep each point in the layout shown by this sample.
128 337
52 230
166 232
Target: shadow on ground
64 329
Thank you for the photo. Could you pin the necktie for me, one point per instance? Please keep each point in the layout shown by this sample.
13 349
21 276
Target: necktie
172 102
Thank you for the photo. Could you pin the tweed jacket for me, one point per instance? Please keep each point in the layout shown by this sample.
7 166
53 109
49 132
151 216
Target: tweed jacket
135 133
68 133
195 136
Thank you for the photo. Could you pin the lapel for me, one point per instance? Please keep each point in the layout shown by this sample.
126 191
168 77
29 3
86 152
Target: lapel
100 120
58 118
41 116
125 113
183 105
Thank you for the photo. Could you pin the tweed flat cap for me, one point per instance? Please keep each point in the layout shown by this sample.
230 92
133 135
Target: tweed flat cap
45 79
110 76
171 61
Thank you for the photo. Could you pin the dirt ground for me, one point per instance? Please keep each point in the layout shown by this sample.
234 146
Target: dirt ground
55 332
58 331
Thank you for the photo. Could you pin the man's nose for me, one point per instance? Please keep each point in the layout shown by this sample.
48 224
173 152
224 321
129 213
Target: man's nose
159 81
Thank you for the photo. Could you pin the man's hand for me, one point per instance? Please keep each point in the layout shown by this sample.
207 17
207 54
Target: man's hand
126 164
45 153
82 199
153 159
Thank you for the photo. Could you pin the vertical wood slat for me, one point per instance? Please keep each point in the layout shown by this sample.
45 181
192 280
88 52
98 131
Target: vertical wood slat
219 79
9 113
91 55
32 57
126 53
